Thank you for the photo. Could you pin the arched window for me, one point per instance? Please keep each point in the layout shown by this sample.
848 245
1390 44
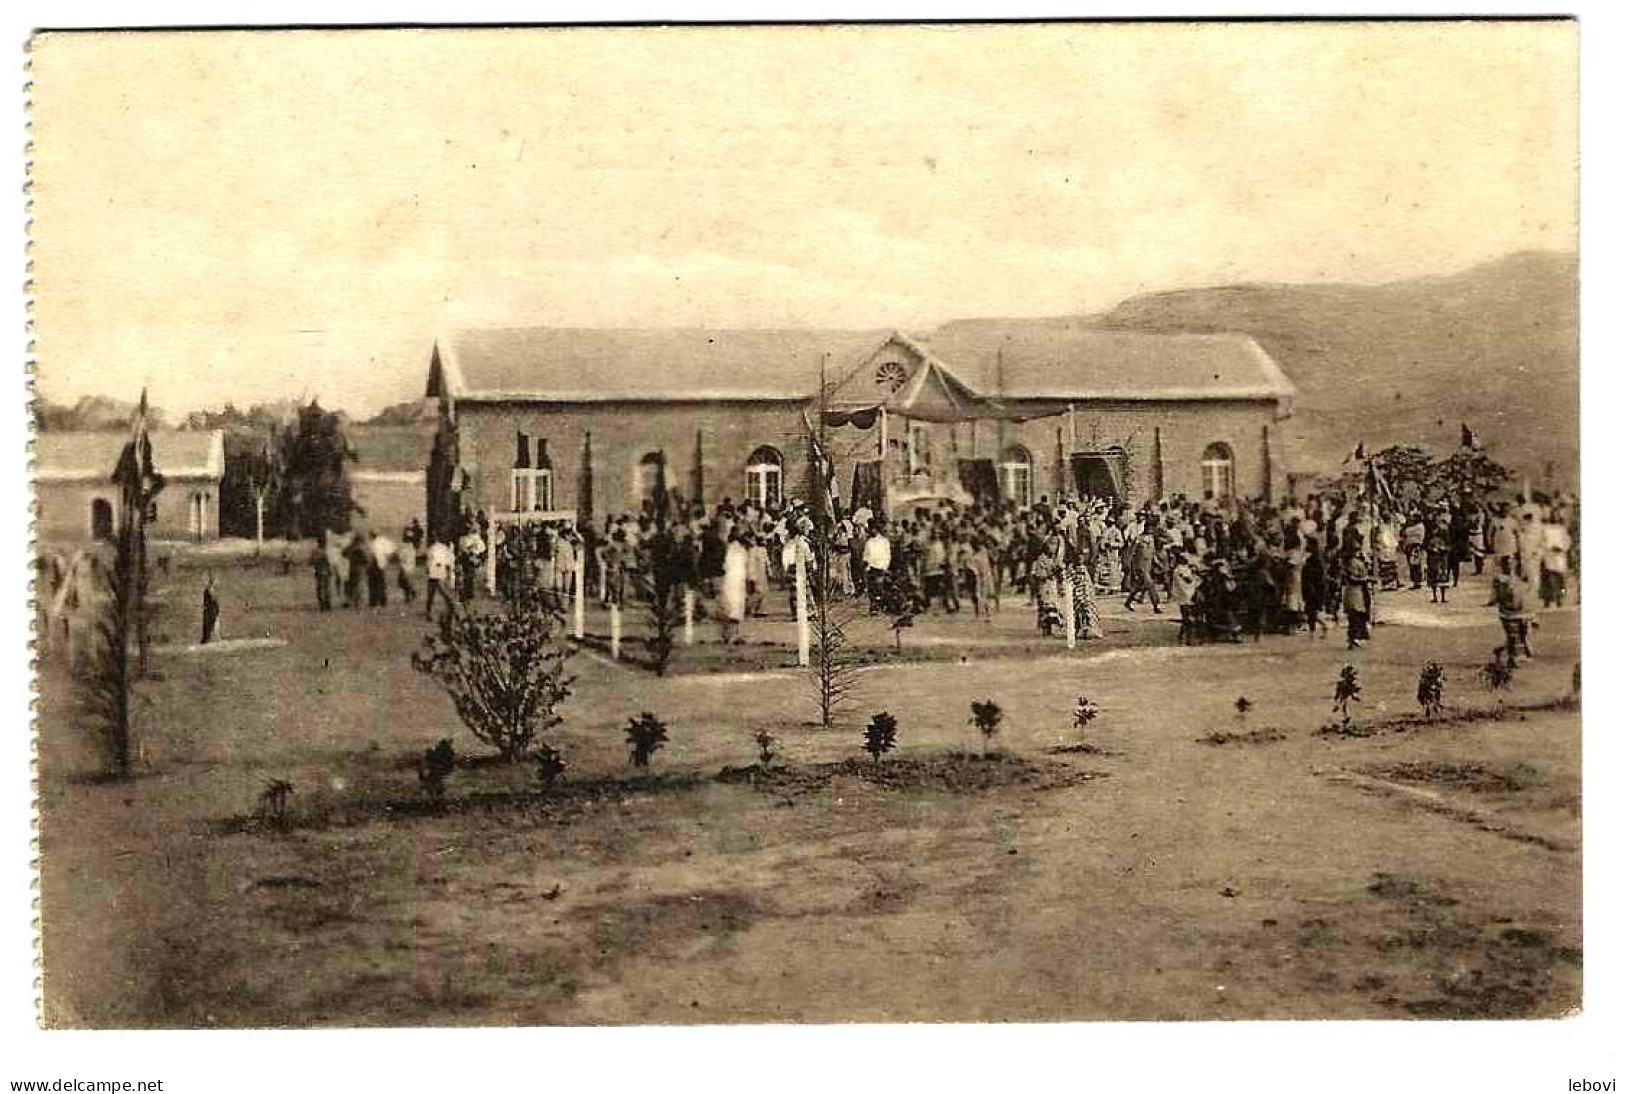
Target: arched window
1218 471
648 474
1016 474
764 476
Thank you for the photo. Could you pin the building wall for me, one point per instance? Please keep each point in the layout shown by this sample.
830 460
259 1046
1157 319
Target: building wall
1187 428
65 509
622 434
390 501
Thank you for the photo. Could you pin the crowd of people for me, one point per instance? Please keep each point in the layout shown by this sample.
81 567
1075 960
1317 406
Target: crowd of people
1229 568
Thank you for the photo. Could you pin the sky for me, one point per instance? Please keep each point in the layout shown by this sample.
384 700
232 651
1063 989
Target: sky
254 216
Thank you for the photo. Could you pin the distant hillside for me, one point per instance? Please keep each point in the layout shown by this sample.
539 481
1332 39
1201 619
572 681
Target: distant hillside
411 412
92 414
1496 346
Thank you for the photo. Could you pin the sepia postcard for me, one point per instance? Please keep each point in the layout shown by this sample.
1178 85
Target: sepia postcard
723 525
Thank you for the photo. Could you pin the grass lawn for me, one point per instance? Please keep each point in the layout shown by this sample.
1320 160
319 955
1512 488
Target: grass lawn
1191 864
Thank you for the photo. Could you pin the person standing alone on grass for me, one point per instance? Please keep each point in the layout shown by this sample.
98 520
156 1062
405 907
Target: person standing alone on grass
211 611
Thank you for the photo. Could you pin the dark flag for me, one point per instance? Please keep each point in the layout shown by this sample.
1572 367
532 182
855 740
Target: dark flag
820 479
662 499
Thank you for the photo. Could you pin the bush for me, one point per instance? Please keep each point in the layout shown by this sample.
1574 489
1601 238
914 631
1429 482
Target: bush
1085 712
986 716
1243 705
880 735
645 735
274 799
1498 671
436 767
503 669
1430 690
550 766
764 747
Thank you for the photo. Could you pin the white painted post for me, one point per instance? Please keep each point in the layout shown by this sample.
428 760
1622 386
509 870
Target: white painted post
491 559
615 631
581 600
1071 612
803 634
688 617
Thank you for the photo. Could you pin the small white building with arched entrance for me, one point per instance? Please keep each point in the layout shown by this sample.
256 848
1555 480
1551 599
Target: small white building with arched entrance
79 502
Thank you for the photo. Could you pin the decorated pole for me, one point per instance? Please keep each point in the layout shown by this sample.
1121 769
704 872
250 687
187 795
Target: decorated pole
491 557
688 616
803 636
1067 594
580 597
615 631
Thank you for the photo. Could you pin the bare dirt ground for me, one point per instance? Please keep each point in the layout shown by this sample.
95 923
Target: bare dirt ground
1192 863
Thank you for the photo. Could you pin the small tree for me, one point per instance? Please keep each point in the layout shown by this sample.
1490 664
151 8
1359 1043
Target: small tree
900 600
1430 690
880 736
274 800
550 766
645 735
1243 706
436 767
1085 712
986 716
1497 673
834 670
504 670
1346 692
764 747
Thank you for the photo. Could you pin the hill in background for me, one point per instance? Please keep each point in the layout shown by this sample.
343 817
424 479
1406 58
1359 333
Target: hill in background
1496 346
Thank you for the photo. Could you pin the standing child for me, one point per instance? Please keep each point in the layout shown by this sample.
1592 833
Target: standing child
211 611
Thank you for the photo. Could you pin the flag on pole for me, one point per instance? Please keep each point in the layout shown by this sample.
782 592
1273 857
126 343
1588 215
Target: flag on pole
821 478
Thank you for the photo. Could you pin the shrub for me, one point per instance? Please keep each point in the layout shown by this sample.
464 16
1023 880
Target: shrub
550 766
1497 673
880 735
986 716
503 669
274 799
1346 692
764 747
1085 712
901 601
645 735
436 767
1430 690
1243 705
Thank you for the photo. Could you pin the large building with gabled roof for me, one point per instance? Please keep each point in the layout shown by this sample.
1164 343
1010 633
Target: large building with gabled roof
567 419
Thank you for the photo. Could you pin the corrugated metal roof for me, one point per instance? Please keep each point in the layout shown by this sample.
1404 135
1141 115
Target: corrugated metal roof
1070 360
177 454
645 364
1042 358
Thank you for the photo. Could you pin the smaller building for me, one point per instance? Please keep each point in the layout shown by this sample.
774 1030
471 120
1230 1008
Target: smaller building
388 478
79 502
